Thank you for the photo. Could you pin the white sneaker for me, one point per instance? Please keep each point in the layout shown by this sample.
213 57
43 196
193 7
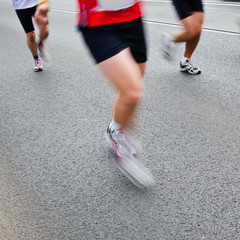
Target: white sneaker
127 161
135 171
169 46
37 65
189 67
120 143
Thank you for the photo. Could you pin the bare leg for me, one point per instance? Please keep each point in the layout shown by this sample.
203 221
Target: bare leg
191 46
142 67
136 122
41 18
125 74
31 42
192 32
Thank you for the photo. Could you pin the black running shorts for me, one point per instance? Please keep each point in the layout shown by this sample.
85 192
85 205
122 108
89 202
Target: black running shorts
25 16
185 8
107 41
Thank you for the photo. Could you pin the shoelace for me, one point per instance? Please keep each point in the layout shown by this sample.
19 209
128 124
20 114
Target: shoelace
119 138
188 64
189 61
37 63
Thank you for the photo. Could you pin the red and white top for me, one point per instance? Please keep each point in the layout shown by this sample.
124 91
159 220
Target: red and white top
93 13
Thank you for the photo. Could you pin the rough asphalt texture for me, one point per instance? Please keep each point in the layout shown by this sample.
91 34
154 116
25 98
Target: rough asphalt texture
57 177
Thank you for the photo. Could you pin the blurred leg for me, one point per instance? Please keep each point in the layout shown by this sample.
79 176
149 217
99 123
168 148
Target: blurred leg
142 67
41 18
126 75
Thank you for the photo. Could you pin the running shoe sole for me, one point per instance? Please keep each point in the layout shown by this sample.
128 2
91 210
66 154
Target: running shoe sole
135 149
131 167
138 174
187 71
38 70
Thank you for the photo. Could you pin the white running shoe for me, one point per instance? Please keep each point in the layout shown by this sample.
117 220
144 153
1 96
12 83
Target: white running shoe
137 173
189 67
169 46
37 65
122 142
126 160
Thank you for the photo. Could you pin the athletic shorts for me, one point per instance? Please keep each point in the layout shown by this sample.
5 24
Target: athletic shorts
107 41
25 16
185 8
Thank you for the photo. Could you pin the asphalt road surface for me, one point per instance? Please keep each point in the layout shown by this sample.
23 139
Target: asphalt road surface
57 177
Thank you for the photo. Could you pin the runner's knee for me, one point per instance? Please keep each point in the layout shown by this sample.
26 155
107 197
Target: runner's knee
198 29
44 31
194 32
133 95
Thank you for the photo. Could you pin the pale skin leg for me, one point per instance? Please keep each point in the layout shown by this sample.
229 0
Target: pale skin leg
126 75
191 34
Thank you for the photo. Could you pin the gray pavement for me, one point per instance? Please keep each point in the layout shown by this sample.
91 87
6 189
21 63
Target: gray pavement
57 178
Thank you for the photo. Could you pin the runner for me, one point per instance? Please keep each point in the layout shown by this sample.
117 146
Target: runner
191 15
114 34
26 10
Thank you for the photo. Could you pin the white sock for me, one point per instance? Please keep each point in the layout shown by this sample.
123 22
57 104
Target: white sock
184 59
114 126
